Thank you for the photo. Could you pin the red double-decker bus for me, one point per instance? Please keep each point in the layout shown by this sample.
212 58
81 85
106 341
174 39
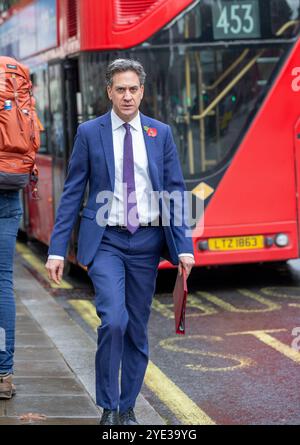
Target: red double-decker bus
224 74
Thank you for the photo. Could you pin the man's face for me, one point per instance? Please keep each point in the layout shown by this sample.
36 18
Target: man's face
126 94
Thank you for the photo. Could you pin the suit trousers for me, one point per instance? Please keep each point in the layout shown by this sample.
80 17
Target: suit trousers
123 273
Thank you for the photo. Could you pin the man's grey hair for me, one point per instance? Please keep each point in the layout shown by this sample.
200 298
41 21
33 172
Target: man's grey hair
121 65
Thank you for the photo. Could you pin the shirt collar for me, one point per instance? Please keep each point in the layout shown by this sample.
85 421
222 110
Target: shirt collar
117 122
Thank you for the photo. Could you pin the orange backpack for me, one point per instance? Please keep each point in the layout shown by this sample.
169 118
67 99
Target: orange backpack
19 127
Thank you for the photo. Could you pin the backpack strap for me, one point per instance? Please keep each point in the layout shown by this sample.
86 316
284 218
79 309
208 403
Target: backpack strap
32 136
15 86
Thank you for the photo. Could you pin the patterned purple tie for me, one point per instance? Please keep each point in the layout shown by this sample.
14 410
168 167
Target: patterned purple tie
132 218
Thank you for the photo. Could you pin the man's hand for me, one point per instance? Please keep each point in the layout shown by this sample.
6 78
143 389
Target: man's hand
186 262
55 270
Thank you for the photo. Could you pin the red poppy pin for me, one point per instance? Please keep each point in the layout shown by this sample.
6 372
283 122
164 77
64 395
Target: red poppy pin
152 132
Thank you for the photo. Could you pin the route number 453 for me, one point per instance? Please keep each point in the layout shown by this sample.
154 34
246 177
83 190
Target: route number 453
236 19
236 22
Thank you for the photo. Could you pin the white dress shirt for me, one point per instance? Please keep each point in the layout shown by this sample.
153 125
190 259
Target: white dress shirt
143 185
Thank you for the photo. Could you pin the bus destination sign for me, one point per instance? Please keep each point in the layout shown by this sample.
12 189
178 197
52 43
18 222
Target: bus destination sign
236 19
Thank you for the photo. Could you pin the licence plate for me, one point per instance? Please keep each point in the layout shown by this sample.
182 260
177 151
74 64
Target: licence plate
236 243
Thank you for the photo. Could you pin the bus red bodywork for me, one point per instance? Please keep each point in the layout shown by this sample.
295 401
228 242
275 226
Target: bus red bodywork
259 192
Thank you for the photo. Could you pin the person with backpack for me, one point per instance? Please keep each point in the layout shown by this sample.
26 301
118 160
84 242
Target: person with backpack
19 141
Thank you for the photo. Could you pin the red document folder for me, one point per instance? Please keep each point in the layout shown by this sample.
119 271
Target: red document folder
179 297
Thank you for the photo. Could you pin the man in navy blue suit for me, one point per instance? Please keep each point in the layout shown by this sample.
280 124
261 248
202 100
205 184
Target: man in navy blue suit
127 158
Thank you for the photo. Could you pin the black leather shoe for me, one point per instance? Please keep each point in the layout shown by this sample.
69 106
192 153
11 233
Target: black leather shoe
109 417
128 418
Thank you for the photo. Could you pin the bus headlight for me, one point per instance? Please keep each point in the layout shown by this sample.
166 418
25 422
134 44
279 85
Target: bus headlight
281 240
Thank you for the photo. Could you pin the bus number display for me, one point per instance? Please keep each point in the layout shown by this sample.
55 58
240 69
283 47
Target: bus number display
236 19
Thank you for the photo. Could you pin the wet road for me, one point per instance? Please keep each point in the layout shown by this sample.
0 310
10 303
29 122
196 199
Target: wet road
239 360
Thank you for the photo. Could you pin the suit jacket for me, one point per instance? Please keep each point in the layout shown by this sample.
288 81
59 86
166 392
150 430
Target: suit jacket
92 161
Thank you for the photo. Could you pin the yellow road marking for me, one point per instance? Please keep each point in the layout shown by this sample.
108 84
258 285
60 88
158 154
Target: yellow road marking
174 344
87 312
230 308
271 306
280 291
194 302
39 266
167 310
176 400
266 338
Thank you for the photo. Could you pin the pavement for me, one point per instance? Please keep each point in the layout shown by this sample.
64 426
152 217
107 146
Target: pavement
54 364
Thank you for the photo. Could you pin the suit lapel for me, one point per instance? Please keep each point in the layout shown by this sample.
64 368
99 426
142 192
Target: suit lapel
107 143
150 148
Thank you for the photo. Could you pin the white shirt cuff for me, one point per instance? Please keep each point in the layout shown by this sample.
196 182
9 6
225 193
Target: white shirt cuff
186 254
55 257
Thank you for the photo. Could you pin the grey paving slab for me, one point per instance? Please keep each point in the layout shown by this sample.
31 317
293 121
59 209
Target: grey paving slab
53 368
21 312
33 340
55 406
31 353
51 421
27 328
48 386
23 318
